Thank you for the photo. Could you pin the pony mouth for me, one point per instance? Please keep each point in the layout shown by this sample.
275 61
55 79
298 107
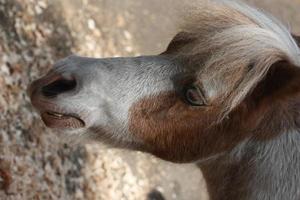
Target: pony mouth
62 120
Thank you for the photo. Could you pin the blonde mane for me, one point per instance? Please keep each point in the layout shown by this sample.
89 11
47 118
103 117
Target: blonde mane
232 46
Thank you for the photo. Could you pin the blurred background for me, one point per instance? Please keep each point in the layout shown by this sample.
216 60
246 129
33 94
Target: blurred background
34 164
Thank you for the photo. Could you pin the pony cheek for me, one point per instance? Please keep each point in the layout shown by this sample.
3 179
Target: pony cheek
167 127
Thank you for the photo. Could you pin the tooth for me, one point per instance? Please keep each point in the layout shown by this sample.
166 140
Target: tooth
56 114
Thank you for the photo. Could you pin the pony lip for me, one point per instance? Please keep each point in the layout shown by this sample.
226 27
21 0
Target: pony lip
62 121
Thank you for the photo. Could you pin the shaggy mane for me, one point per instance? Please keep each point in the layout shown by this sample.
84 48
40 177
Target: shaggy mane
233 46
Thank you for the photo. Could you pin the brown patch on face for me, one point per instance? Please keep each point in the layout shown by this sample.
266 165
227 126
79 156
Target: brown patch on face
176 131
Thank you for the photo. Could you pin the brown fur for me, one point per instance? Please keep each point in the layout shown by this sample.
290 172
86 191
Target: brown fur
176 131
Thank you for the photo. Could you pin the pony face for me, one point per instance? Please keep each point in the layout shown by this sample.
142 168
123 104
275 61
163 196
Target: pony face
220 79
93 97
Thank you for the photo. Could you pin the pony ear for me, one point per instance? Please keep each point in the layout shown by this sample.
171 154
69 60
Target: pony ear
180 40
297 39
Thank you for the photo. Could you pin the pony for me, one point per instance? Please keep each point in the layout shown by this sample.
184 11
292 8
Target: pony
225 94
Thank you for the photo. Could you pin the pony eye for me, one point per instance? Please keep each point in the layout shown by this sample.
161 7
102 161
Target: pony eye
194 96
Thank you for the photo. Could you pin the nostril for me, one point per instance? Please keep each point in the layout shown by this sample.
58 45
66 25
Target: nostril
58 86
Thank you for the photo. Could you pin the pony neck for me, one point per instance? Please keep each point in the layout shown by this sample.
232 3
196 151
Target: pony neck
256 170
